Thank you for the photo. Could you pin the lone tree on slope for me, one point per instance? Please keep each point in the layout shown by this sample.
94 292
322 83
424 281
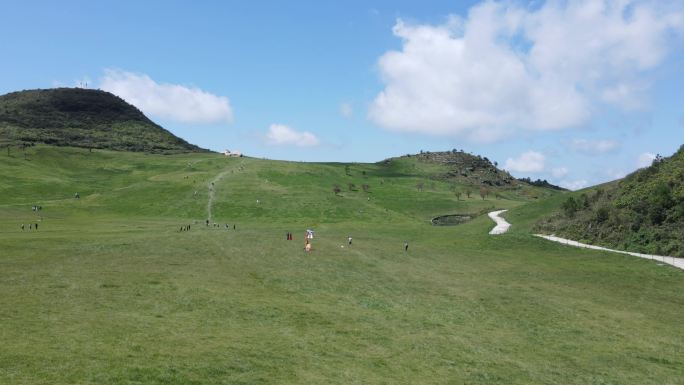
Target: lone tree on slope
483 192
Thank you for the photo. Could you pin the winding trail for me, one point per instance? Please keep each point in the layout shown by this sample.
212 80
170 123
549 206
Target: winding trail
676 262
502 225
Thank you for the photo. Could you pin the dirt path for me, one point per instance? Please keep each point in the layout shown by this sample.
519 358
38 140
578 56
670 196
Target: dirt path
676 262
501 224
212 190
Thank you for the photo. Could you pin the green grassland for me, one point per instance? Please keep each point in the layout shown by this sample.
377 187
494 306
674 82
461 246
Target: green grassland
109 291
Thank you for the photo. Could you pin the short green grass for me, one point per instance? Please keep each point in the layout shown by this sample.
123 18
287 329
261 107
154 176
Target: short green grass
109 291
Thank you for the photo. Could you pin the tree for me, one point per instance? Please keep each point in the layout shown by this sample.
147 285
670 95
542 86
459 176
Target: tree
660 201
483 192
570 207
365 187
347 170
468 192
458 194
420 186
351 186
337 189
602 214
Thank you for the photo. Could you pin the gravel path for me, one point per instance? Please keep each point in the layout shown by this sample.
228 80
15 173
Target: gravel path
501 225
676 262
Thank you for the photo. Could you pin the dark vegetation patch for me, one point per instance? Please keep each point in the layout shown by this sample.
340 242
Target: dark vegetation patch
644 212
541 183
82 118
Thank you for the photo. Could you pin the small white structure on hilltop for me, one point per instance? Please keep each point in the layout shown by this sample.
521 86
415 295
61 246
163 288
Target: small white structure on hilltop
232 154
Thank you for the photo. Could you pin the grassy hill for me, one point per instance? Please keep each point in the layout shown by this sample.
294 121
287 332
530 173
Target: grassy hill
82 118
643 212
108 290
461 168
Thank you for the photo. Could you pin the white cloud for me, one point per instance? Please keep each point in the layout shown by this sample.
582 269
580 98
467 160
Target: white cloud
559 172
279 134
530 161
346 110
645 159
167 101
574 184
594 147
505 67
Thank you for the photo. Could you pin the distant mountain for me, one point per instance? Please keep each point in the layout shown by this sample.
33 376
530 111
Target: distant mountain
643 212
82 118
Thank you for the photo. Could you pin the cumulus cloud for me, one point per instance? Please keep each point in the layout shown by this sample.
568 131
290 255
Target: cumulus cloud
346 110
530 161
559 172
574 184
506 67
279 135
594 147
645 159
167 101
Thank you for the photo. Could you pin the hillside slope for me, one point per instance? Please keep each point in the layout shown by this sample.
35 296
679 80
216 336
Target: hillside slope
459 167
643 212
82 118
134 184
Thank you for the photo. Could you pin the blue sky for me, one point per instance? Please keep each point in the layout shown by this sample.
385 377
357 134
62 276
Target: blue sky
577 92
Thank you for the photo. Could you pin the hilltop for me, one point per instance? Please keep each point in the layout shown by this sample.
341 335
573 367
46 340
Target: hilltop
458 166
643 212
82 118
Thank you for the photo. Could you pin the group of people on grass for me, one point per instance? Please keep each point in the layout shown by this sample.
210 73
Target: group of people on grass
217 225
309 235
31 226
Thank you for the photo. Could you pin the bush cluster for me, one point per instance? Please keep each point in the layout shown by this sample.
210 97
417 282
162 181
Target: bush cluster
643 212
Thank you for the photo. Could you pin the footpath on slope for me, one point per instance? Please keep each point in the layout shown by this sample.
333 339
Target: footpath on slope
502 226
676 262
211 186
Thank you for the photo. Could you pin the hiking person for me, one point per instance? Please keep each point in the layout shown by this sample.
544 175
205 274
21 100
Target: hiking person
30 226
405 246
36 226
207 223
349 240
22 227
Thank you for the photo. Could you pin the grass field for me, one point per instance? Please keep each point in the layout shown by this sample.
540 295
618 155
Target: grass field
109 291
